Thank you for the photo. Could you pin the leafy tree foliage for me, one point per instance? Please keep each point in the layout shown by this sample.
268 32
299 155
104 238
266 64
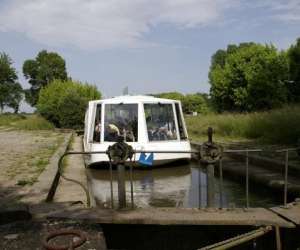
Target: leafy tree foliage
293 84
64 102
248 77
16 94
171 95
42 70
195 103
10 90
190 102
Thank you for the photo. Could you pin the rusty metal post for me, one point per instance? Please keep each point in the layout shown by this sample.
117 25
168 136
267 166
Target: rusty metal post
278 239
199 188
118 153
210 153
111 186
121 186
286 176
209 135
210 175
131 185
247 178
221 181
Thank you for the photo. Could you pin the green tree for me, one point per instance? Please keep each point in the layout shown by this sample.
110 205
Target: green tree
171 95
293 83
15 96
195 103
42 70
190 103
10 90
64 102
252 78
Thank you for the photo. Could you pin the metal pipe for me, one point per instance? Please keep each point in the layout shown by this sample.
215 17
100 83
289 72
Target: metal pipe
241 150
287 149
221 181
55 182
210 175
278 239
286 177
238 240
168 152
199 187
131 184
247 179
111 185
121 186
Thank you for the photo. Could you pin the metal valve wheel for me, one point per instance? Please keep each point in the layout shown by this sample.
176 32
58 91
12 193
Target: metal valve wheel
210 152
119 152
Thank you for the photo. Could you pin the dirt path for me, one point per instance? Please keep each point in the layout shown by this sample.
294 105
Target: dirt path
23 156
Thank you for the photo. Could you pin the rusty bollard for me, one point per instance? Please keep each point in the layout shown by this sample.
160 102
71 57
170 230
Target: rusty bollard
210 153
118 153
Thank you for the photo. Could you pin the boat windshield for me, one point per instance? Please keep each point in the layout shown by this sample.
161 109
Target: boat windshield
121 121
160 122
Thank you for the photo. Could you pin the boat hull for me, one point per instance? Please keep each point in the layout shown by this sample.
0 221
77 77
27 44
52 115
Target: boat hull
158 158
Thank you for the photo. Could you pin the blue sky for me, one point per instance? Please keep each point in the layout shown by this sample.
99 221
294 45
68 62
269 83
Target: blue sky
149 46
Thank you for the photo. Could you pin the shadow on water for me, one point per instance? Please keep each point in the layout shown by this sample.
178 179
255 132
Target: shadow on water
177 186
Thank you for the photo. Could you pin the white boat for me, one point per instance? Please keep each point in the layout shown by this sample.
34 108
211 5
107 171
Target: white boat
146 123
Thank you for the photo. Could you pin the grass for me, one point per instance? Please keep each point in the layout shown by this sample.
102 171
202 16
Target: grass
7 118
280 126
36 164
25 122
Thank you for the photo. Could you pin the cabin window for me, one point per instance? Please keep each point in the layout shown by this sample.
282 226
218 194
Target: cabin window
121 122
97 128
160 122
182 132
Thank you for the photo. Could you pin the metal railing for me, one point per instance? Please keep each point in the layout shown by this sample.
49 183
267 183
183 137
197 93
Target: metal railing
246 151
196 152
286 170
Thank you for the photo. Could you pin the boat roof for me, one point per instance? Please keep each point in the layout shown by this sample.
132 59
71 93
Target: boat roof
134 99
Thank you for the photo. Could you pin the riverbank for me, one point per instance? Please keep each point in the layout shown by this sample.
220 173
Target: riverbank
278 126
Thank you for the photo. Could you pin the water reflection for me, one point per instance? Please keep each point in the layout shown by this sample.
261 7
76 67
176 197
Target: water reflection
180 186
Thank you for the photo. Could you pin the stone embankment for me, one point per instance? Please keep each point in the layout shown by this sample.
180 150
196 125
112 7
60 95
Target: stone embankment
263 170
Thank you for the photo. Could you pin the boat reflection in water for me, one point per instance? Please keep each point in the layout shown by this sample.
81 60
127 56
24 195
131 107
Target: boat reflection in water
176 186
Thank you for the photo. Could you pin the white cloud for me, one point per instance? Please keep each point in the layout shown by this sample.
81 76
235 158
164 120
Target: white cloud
90 24
285 10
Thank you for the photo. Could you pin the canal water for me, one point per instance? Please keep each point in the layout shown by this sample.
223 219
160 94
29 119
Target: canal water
175 186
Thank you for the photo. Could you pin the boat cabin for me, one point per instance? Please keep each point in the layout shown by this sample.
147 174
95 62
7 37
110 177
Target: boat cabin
144 122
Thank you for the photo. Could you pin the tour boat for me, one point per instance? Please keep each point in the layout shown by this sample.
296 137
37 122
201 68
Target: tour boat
146 123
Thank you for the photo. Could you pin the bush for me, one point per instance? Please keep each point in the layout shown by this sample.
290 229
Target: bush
190 102
195 103
280 126
8 118
33 122
64 102
25 122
